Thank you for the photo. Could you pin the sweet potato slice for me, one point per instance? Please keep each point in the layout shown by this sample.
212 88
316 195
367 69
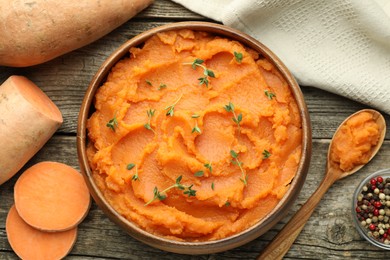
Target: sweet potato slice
51 196
30 244
28 118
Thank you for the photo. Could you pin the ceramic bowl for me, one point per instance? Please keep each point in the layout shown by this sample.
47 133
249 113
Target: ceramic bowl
195 247
364 229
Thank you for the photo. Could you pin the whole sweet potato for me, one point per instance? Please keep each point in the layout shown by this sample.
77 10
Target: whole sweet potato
35 31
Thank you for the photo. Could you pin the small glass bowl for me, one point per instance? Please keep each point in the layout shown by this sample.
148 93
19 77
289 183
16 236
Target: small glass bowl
364 231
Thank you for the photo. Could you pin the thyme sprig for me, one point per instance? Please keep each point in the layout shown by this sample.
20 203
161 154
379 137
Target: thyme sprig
113 123
196 127
150 114
201 173
270 95
206 72
162 86
209 167
266 154
161 195
171 109
238 56
236 118
235 161
131 166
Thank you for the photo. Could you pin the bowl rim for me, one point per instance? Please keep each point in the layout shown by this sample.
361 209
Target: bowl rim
204 247
359 228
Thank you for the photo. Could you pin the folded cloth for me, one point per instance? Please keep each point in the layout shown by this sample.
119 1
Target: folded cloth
340 46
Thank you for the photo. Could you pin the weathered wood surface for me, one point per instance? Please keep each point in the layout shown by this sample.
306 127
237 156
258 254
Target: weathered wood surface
329 234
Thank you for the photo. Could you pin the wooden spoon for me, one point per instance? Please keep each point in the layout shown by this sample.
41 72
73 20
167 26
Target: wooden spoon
286 237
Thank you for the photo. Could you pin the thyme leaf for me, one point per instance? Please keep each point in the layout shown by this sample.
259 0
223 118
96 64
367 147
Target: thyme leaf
209 73
199 173
212 185
233 154
148 82
196 62
130 166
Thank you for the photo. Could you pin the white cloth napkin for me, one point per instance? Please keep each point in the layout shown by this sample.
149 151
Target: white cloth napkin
339 46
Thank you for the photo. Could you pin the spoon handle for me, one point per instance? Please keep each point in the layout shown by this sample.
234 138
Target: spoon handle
282 242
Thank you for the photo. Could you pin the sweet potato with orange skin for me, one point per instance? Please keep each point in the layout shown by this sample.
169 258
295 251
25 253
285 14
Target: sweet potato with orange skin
35 31
28 118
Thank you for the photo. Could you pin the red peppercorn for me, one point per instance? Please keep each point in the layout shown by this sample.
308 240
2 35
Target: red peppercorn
377 204
372 227
379 179
376 212
384 235
358 209
373 182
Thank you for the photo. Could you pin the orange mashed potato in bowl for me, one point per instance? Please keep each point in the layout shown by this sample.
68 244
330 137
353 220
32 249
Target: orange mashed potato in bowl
195 138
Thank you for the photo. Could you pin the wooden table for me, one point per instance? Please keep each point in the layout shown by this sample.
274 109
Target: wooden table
328 234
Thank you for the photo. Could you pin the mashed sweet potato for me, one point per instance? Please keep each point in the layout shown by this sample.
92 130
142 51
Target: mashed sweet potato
204 114
353 143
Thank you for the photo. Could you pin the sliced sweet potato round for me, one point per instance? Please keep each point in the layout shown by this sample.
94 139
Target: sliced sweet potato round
30 243
51 196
